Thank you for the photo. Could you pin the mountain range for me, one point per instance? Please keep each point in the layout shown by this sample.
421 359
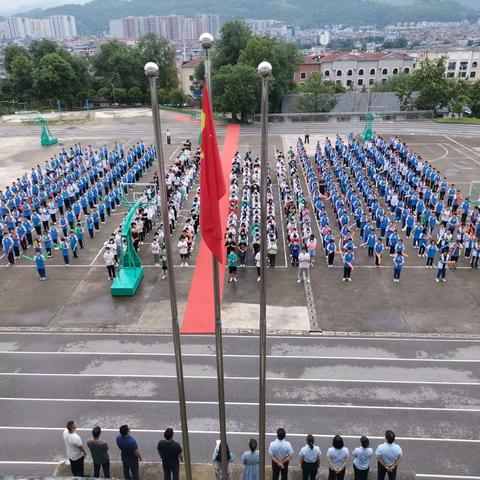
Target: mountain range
93 17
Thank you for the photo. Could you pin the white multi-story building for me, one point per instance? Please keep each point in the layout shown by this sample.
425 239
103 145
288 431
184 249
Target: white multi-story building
460 62
355 70
171 27
63 26
56 26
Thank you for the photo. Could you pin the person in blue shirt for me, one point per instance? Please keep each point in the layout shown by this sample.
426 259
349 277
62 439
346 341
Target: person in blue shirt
398 262
129 452
280 450
370 243
393 242
337 457
7 244
361 462
40 263
388 456
310 459
378 250
64 247
417 233
422 245
71 218
47 241
431 252
410 221
72 239
331 247
63 225
348 258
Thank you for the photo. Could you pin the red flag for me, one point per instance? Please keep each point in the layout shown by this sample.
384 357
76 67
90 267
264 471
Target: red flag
212 184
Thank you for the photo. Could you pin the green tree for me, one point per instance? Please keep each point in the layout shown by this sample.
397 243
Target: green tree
21 75
10 53
237 90
40 48
284 58
317 95
135 95
177 97
392 84
430 83
53 78
158 50
234 36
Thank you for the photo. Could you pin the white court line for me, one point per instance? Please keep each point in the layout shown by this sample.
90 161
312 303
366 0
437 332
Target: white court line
316 337
250 434
464 146
228 355
444 155
207 377
240 404
462 153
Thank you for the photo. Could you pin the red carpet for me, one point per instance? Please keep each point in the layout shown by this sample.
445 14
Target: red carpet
199 315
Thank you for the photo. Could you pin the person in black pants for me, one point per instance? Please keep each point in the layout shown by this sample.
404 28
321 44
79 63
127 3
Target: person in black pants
75 450
130 453
281 452
170 452
388 455
99 450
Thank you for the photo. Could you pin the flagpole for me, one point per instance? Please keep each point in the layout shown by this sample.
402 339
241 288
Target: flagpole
264 69
151 71
206 39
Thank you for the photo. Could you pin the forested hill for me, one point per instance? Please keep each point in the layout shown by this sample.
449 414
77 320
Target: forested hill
93 17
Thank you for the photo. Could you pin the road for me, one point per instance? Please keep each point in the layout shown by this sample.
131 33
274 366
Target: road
426 390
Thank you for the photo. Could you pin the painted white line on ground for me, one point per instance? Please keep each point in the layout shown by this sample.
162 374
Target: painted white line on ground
433 475
240 404
466 147
270 434
207 377
382 336
233 355
443 156
25 462
462 153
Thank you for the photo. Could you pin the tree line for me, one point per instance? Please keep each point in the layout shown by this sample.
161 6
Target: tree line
45 73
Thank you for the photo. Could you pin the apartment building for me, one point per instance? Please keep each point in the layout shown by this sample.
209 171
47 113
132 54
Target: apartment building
460 62
55 26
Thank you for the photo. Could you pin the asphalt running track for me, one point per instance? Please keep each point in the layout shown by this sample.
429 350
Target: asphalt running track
427 391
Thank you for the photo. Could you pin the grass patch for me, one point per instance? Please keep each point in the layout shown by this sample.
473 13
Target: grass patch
468 121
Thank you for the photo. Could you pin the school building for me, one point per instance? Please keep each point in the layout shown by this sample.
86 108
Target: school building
355 70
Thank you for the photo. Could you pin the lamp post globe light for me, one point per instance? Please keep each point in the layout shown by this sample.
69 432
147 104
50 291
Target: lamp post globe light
151 69
264 69
206 39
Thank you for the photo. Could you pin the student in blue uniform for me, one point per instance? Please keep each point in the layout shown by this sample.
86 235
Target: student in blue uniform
331 247
7 244
64 247
73 241
378 252
398 262
348 258
40 263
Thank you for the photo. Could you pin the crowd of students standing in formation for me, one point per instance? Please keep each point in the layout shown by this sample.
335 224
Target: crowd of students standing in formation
60 205
388 456
56 206
377 191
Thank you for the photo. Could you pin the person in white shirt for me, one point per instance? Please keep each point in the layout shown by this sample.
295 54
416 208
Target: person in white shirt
75 451
109 259
183 250
304 265
337 456
258 265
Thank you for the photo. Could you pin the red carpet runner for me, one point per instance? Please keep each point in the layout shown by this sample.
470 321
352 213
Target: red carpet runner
199 315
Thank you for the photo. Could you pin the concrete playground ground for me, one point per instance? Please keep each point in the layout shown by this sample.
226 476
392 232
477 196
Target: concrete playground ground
78 297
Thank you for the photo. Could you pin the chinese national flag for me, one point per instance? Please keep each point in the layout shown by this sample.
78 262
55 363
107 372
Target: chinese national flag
212 184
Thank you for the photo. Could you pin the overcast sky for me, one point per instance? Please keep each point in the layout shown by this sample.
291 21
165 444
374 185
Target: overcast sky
7 6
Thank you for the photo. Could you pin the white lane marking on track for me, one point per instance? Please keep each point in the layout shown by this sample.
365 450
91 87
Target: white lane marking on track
207 377
383 336
241 404
226 355
270 434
